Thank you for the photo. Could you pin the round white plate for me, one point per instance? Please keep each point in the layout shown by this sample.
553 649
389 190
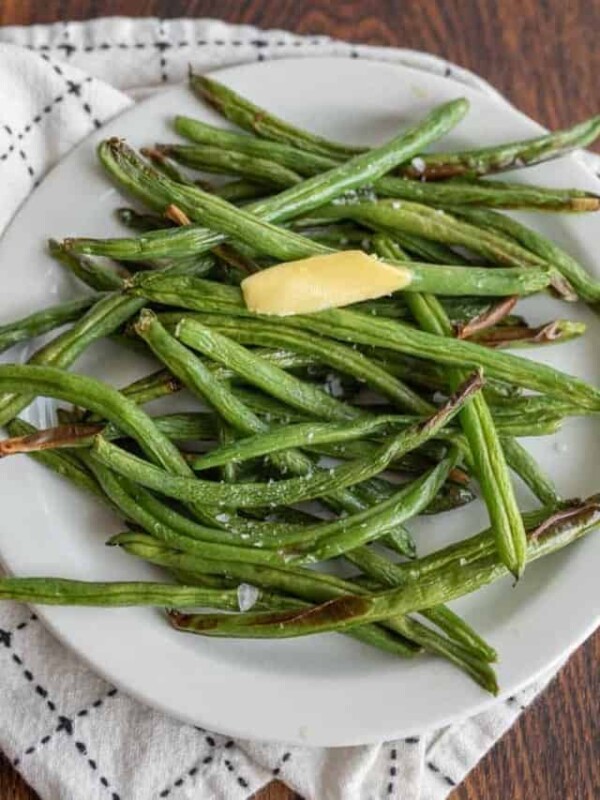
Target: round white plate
326 690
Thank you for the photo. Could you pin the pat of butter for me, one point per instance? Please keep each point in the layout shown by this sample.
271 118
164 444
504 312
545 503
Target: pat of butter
320 282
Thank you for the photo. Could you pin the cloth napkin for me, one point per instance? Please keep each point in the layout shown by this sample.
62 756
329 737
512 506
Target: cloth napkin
71 735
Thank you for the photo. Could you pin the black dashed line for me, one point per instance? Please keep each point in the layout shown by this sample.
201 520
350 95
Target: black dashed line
65 724
442 775
162 45
69 48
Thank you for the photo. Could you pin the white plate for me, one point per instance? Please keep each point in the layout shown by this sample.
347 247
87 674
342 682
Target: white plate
326 690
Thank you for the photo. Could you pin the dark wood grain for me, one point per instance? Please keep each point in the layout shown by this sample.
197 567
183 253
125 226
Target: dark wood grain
544 55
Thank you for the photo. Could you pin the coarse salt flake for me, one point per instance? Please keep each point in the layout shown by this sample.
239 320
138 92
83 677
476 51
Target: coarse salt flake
247 596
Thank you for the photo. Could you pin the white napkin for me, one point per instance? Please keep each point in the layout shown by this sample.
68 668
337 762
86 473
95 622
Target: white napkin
72 736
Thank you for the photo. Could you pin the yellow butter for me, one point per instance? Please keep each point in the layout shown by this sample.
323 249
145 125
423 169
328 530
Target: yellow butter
320 282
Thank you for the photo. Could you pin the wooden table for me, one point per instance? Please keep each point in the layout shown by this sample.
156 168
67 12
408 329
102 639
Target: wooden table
545 57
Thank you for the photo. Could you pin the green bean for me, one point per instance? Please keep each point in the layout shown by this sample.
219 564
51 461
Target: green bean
451 648
162 383
428 250
98 397
392 215
195 375
152 387
167 167
137 506
62 464
177 427
347 450
236 191
451 495
159 192
340 357
286 245
435 166
350 326
489 194
307 434
378 161
102 319
138 221
91 273
485 160
63 592
240 152
215 160
294 158
485 449
557 331
454 581
285 491
526 467
229 405
584 284
386 573
162 521
250 117
365 330
307 544
261 373
311 587
40 322
351 532
306 587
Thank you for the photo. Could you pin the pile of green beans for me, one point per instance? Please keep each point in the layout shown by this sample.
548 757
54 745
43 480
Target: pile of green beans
376 413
